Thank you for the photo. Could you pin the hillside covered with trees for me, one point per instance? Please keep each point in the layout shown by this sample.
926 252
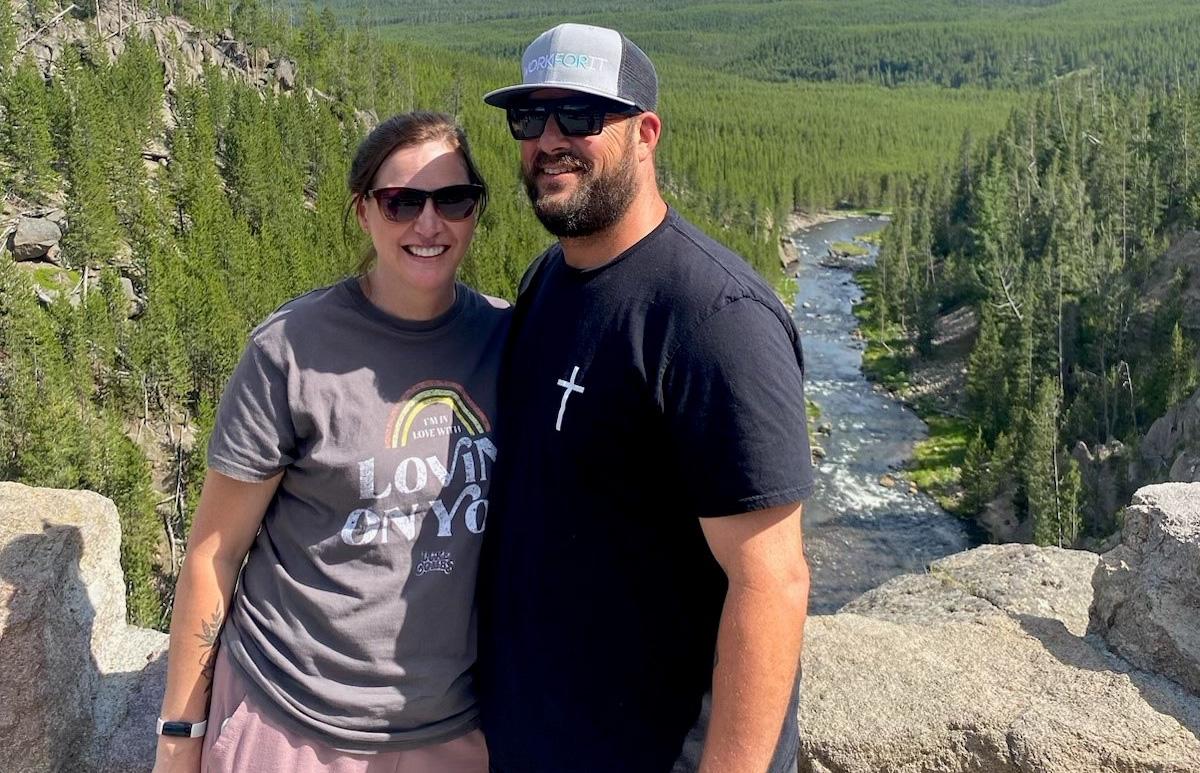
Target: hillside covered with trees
983 43
1055 233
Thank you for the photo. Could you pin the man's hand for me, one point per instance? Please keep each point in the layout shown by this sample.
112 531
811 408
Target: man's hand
759 640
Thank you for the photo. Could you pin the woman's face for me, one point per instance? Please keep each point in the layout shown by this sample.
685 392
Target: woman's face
424 253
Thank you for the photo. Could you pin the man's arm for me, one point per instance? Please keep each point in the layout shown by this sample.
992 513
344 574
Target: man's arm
759 640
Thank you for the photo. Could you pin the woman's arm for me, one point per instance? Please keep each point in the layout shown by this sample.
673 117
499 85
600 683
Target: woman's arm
223 528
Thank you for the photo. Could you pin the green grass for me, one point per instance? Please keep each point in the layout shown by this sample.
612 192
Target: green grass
850 248
874 237
936 465
54 278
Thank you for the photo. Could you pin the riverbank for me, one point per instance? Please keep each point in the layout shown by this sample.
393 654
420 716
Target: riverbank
932 387
805 220
862 525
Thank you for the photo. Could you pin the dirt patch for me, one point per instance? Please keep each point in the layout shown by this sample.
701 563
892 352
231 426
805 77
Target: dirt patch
801 220
940 379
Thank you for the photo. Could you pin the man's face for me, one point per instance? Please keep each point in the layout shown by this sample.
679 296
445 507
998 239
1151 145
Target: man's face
580 185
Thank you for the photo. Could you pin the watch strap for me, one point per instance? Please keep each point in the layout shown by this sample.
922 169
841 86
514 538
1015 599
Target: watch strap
178 729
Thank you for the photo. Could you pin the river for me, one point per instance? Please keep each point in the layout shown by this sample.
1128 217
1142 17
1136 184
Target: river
858 533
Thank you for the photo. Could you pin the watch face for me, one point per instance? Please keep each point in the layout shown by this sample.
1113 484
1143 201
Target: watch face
181 729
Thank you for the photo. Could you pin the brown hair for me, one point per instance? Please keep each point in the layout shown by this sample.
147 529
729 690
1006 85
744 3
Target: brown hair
404 131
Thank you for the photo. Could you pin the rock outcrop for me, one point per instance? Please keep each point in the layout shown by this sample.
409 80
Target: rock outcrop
1171 448
74 673
983 665
33 236
184 49
1147 603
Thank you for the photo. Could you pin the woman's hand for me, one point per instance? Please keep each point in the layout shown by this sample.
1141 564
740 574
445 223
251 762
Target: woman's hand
178 755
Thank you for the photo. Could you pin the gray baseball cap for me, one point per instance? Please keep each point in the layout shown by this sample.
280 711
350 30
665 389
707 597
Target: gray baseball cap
587 59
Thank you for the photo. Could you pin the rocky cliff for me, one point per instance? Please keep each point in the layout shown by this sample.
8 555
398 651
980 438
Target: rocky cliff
80 688
1002 659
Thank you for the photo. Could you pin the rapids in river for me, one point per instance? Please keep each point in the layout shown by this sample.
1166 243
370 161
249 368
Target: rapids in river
858 533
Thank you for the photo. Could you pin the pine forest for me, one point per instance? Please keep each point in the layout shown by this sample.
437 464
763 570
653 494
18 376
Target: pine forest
1038 157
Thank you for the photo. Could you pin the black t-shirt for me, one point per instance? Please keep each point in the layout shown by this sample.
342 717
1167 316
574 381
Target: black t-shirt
663 387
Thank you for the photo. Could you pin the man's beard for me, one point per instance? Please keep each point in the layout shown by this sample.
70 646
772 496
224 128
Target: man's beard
596 204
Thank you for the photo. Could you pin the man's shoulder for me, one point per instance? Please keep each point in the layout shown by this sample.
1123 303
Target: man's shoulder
702 270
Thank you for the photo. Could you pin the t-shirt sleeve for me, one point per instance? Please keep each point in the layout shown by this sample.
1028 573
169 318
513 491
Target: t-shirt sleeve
733 395
253 437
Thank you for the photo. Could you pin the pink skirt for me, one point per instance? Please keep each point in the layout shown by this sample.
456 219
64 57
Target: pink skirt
242 738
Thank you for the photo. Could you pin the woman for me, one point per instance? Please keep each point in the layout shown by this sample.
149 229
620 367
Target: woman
350 460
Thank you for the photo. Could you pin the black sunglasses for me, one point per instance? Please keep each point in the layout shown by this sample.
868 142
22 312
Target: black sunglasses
576 117
403 205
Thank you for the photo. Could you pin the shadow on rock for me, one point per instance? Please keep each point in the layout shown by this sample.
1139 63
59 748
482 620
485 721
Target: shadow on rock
1090 653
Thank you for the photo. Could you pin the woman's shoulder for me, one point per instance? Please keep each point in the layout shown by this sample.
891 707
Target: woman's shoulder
300 317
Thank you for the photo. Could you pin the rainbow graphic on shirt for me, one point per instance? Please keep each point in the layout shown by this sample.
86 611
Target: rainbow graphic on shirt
433 408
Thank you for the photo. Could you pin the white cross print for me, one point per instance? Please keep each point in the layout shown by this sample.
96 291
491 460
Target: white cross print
568 388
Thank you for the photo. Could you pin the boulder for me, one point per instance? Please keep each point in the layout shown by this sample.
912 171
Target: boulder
1186 468
285 74
990 581
134 304
1000 518
992 695
53 214
34 237
366 119
73 668
980 666
1147 589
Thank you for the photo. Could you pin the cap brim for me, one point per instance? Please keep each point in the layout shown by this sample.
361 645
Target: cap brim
504 97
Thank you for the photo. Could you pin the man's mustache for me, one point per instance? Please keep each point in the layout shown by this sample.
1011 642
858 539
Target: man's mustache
571 162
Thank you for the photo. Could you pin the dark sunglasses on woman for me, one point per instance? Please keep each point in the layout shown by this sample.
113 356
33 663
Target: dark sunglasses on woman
403 205
576 116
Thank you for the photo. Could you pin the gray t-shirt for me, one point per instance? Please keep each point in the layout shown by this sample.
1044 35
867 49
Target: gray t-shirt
355 611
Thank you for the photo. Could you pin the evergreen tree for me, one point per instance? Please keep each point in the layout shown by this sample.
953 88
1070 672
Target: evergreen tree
987 372
976 480
25 132
1040 466
1181 368
91 155
8 37
1071 502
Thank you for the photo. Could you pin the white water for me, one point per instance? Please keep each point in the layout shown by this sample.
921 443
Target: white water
858 533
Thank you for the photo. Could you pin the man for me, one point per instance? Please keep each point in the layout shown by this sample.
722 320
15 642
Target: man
644 545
